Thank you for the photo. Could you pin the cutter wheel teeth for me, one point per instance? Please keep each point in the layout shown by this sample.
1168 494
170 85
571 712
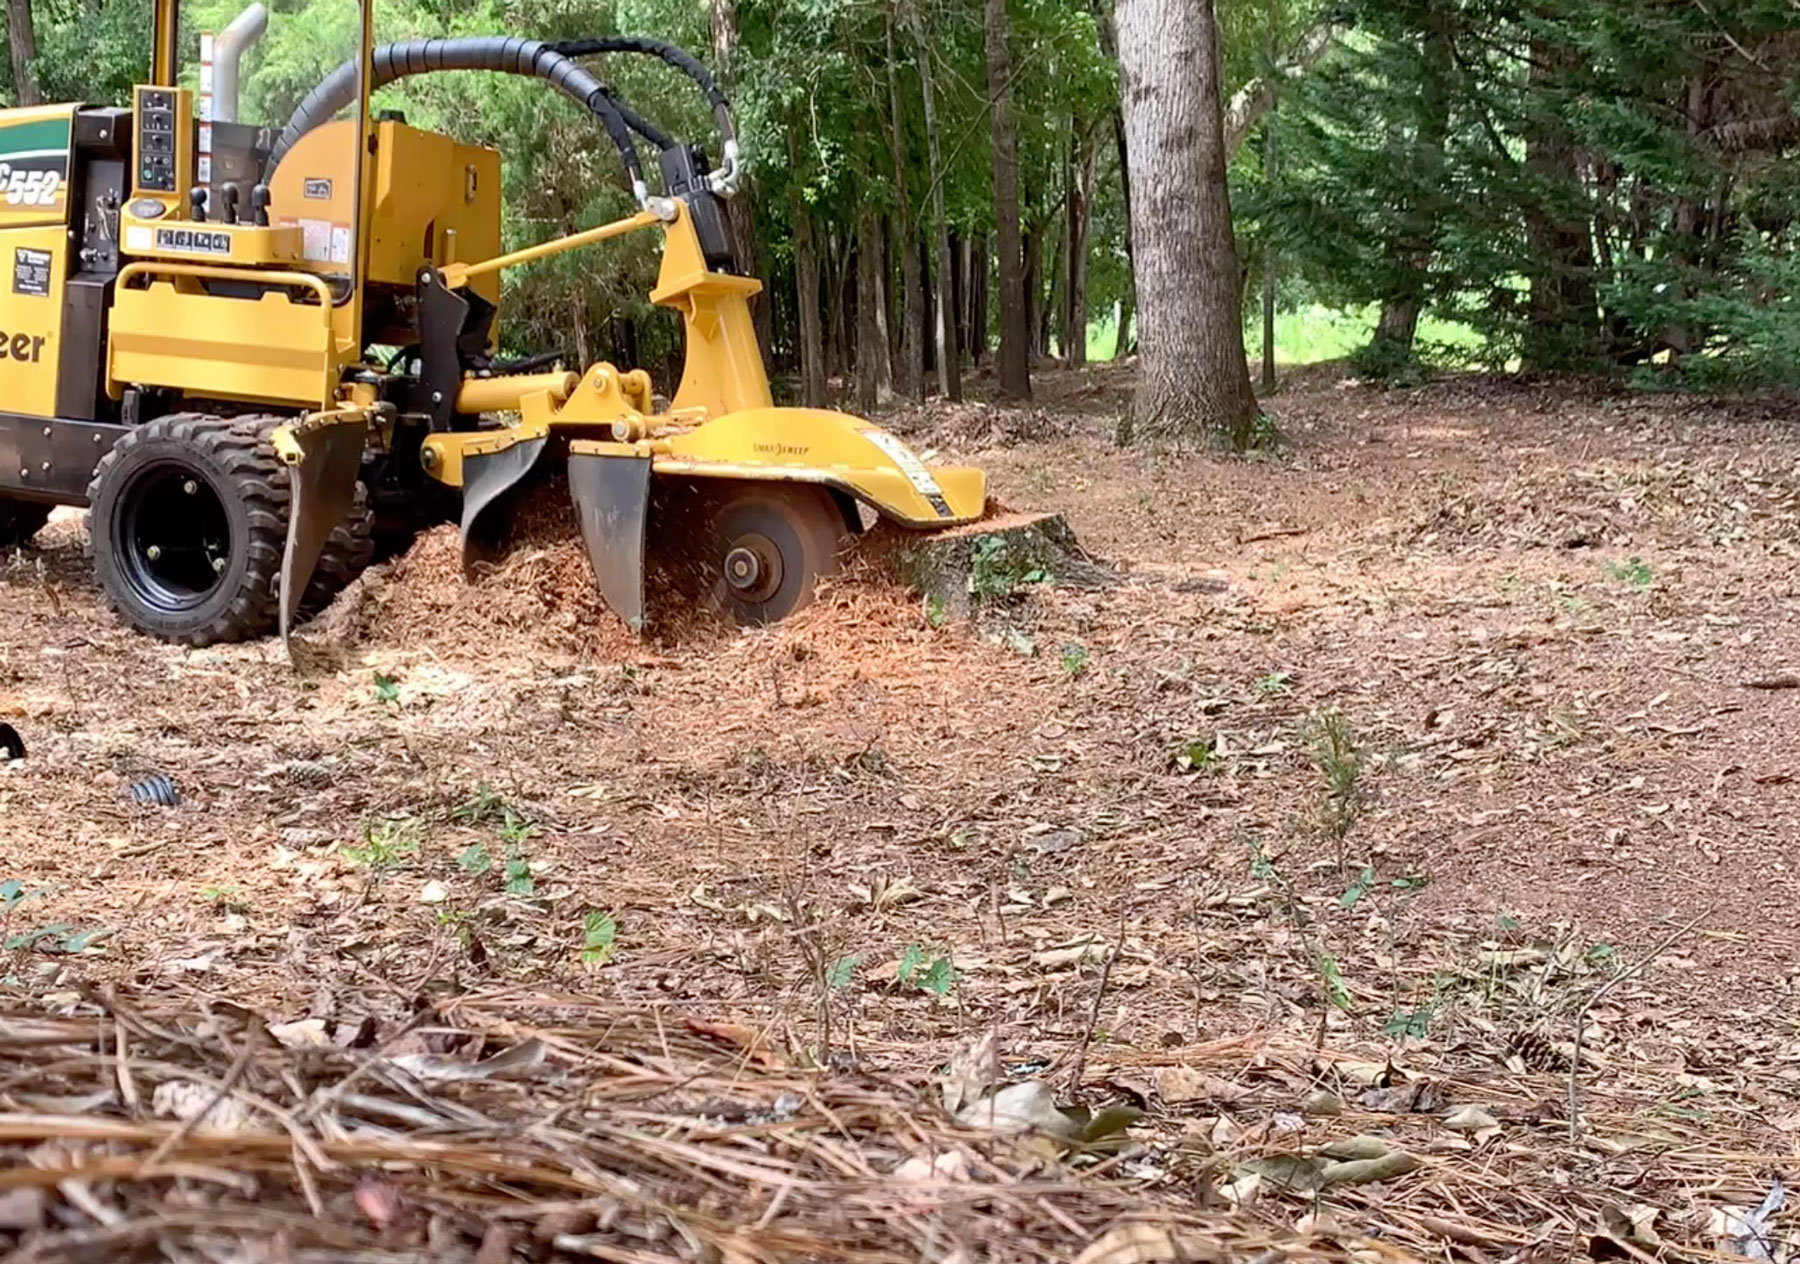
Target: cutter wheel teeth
769 546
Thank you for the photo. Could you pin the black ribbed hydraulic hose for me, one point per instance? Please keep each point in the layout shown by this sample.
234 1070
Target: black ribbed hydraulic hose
506 54
679 58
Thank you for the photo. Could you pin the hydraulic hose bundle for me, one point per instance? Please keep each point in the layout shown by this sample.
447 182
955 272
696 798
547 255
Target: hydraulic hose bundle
555 64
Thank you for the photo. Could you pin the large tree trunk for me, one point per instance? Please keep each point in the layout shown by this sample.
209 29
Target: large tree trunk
1193 379
21 40
949 367
1015 317
1562 328
911 368
806 284
1081 183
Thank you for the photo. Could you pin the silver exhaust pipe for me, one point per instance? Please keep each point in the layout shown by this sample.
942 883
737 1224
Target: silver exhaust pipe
229 46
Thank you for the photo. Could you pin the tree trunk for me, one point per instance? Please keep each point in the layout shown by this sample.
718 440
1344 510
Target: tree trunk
1109 45
1015 328
21 40
1081 183
840 281
739 211
1414 243
959 295
806 284
871 322
978 300
949 368
1562 329
911 367
1193 378
1033 246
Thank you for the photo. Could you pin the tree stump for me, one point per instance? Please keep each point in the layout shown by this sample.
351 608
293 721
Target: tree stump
961 569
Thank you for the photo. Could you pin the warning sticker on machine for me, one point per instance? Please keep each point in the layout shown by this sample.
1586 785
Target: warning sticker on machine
910 465
31 271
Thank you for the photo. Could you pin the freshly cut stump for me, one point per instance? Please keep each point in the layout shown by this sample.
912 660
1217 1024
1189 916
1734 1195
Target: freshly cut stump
982 562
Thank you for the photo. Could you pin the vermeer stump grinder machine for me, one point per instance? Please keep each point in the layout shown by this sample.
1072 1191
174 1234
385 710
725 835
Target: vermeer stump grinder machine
245 345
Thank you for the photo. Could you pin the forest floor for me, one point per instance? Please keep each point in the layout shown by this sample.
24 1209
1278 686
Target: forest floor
1322 807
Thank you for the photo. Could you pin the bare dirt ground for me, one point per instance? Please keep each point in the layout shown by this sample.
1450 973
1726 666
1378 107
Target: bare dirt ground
1469 705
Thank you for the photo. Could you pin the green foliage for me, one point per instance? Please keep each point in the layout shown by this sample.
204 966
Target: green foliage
1274 685
998 569
1074 658
388 844
1633 571
929 972
387 689
842 971
1338 757
476 860
599 936
519 880
1197 754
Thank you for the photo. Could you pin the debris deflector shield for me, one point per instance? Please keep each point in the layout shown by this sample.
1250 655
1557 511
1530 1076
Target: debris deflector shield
323 462
487 477
612 503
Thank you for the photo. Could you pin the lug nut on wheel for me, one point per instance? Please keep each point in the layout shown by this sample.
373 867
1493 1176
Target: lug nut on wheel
154 552
190 487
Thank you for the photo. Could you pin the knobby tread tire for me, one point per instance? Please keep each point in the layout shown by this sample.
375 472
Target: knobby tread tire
347 554
20 520
252 478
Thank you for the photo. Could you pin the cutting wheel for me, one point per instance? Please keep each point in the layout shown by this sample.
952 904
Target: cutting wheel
769 544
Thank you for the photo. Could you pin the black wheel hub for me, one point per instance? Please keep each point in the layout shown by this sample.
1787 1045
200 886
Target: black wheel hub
173 537
753 567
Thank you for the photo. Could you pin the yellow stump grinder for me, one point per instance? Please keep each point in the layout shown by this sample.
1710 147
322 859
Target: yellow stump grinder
242 342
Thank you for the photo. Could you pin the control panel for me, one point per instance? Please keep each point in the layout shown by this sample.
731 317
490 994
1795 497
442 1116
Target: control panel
164 128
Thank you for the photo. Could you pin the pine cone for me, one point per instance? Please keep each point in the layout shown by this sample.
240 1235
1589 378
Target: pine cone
1537 1053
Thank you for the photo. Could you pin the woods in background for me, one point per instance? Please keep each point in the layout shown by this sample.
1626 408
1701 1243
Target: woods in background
941 188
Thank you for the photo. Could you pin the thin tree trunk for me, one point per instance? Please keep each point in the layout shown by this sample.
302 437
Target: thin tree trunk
21 41
1015 329
1080 206
1109 45
806 285
842 282
949 368
911 367
872 362
959 295
927 306
1193 379
1034 292
740 210
978 300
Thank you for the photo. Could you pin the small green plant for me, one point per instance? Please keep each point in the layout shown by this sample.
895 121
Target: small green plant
1337 755
929 973
56 937
1403 1023
14 893
1634 571
599 936
515 831
387 689
997 571
476 860
481 807
841 972
937 614
1336 991
1075 659
387 845
1275 685
1197 754
518 872
1365 882
221 893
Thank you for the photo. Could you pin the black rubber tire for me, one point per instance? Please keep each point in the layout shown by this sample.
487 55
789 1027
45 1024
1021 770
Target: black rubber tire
234 461
19 521
347 554
802 522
